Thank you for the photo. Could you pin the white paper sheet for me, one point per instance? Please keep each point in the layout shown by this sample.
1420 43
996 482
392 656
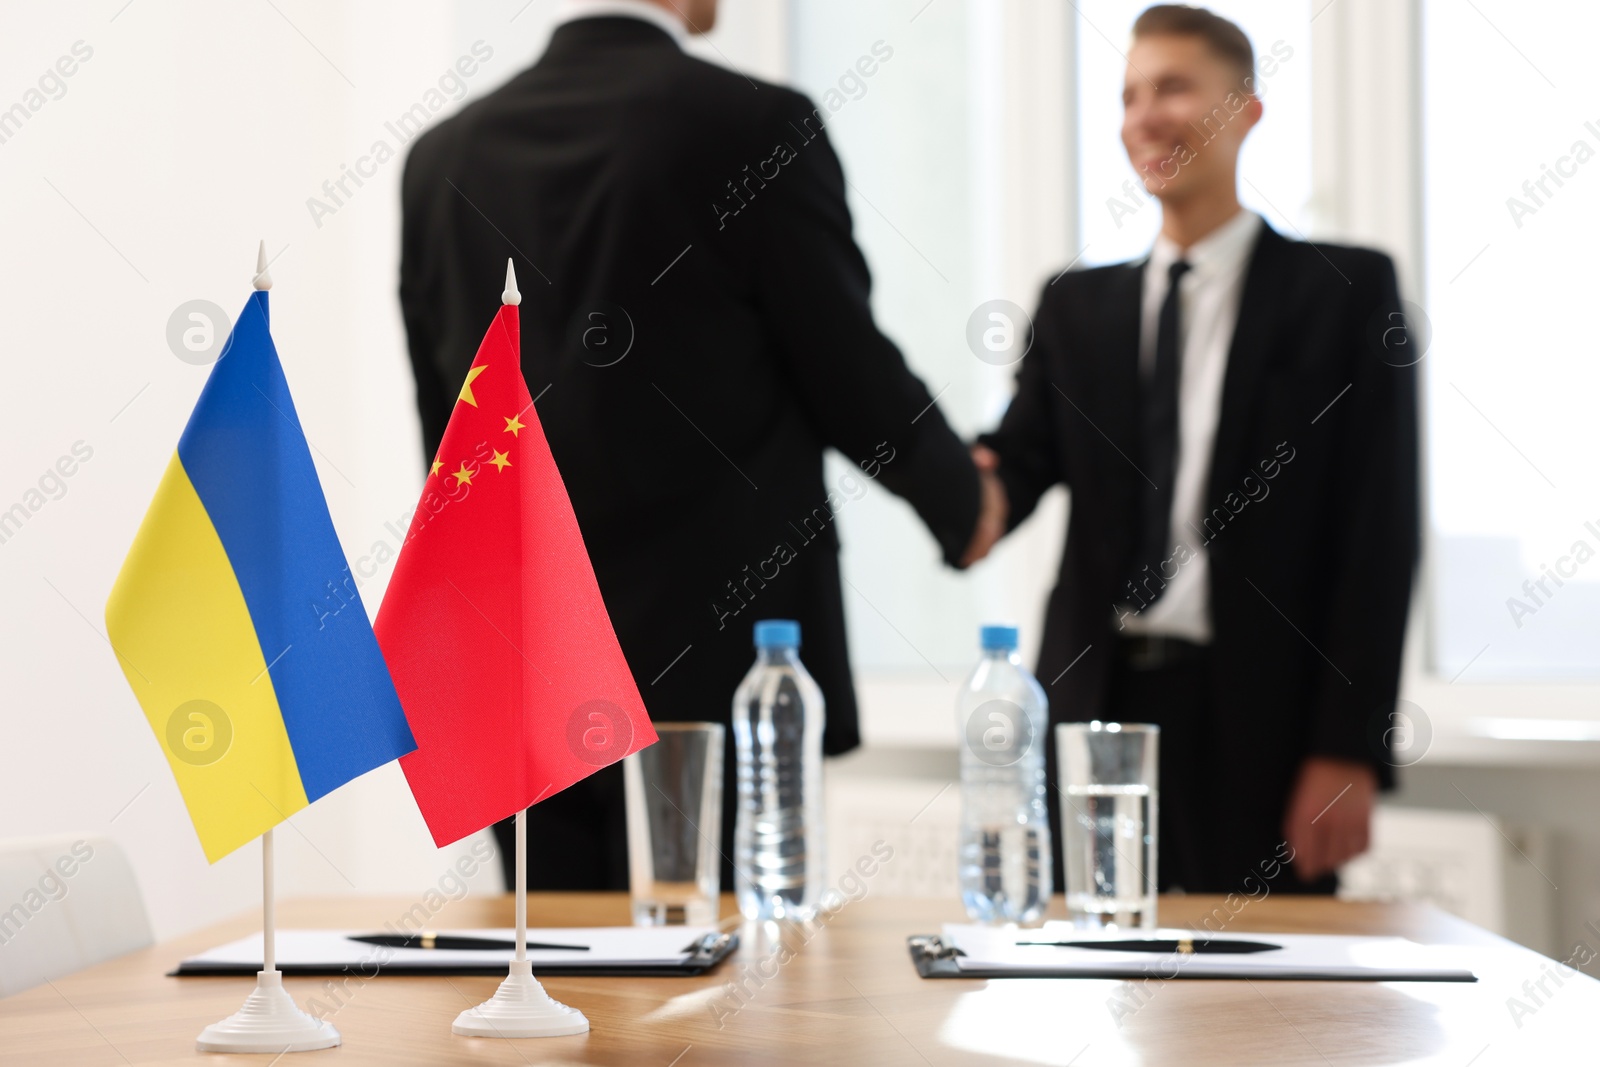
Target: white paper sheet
609 946
991 950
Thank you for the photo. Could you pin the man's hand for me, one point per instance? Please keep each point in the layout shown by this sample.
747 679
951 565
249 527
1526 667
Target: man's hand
1329 815
992 506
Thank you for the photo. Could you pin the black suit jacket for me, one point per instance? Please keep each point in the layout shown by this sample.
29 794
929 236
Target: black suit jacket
671 210
1312 504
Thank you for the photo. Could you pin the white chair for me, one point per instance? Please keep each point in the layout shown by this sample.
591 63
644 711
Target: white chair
65 903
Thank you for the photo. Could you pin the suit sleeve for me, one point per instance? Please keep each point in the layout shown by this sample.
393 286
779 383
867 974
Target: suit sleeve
419 306
813 287
1027 440
1378 540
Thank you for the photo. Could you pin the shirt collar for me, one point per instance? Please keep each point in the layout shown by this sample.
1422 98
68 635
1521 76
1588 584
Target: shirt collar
1225 248
572 10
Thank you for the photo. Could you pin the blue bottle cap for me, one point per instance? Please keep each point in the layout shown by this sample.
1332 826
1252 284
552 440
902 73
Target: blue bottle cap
998 636
777 633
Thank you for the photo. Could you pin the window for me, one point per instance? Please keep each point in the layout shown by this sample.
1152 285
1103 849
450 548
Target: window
1511 173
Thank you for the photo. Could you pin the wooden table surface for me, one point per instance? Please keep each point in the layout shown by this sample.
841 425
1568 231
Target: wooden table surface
848 995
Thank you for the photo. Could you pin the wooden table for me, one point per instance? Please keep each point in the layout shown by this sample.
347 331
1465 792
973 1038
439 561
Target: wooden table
849 995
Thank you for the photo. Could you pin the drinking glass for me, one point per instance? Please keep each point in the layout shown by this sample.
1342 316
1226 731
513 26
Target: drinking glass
1108 820
674 805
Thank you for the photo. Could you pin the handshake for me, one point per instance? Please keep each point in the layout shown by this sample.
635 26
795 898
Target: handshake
993 506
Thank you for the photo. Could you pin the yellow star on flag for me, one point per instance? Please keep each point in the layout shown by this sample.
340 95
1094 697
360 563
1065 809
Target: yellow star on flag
464 475
501 461
513 424
466 388
435 469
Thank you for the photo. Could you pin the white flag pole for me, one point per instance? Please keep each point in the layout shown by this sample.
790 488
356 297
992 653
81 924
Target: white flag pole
522 886
269 1020
520 1007
269 918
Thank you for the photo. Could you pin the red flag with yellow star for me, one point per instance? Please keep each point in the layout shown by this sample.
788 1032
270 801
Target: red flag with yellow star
493 627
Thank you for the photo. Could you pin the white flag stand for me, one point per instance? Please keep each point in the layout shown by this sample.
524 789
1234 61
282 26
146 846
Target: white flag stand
521 1007
269 1020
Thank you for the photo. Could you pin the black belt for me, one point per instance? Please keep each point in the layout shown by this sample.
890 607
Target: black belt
1149 652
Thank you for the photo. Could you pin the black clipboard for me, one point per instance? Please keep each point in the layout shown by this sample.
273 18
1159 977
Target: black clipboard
934 957
704 954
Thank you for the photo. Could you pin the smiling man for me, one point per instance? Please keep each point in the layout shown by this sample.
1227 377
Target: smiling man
1240 446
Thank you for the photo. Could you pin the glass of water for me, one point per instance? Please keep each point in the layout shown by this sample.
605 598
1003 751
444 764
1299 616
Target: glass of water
1108 821
674 801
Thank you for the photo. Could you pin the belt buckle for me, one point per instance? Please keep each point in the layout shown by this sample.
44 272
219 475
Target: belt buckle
1148 654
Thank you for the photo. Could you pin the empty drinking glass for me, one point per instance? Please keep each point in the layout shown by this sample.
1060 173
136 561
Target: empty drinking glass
674 799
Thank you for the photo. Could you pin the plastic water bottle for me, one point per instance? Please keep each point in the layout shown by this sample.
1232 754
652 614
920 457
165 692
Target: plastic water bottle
778 849
1004 852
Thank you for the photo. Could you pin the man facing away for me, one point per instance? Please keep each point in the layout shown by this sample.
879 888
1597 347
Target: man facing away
695 332
1242 461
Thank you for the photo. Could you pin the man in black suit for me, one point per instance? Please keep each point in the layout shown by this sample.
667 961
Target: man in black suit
695 331
1234 416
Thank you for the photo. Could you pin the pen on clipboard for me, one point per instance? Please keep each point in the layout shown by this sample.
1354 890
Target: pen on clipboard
456 941
1183 946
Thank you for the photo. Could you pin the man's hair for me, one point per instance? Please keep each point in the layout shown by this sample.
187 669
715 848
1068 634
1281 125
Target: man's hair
1224 38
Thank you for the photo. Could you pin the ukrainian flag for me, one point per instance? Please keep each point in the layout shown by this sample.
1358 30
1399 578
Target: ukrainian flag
234 617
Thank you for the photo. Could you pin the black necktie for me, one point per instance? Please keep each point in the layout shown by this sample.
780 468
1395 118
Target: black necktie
1158 454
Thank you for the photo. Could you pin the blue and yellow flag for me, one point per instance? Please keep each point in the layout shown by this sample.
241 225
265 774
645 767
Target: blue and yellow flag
234 617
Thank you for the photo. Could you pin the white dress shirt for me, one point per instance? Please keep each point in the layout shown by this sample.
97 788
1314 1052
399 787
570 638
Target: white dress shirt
1208 309
571 10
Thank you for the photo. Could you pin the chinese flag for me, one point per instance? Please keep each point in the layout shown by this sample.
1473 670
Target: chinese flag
493 626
